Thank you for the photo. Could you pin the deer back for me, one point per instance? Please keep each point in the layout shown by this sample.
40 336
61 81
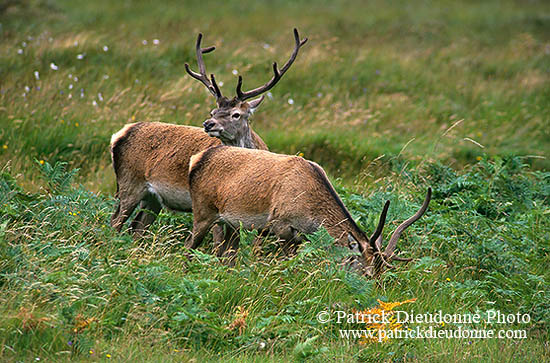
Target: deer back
160 151
245 182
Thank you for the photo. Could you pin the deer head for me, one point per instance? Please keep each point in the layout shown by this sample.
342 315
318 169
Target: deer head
229 121
373 261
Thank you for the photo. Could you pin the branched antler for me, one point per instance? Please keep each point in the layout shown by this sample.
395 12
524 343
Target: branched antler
277 73
201 76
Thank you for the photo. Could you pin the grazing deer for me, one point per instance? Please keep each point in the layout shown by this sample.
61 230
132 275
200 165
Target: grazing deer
286 195
151 159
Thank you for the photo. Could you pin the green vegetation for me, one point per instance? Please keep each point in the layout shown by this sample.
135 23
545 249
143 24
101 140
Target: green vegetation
71 286
371 79
389 98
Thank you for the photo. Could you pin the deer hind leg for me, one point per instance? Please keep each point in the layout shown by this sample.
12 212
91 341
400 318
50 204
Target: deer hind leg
230 245
129 199
218 237
150 208
290 237
202 222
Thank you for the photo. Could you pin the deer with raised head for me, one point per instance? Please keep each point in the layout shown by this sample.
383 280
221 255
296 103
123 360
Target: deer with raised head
285 195
151 159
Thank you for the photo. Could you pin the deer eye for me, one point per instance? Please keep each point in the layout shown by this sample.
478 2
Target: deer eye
353 245
236 115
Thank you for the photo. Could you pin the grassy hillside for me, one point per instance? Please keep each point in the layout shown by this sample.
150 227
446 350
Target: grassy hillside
389 97
373 81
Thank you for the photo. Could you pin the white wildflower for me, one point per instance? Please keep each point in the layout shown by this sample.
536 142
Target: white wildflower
54 66
156 41
36 75
105 48
261 345
290 101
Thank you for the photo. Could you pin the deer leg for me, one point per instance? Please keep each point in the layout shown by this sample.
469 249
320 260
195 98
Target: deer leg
230 243
259 240
201 227
150 208
218 236
289 236
128 202
290 246
115 214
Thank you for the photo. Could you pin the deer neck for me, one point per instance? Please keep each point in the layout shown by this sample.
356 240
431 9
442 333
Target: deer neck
339 223
244 139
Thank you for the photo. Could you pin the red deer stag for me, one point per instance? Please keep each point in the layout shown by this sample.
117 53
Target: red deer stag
151 159
285 195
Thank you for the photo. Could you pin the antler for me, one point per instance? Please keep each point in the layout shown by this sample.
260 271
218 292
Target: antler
375 239
378 232
201 76
277 74
388 253
383 259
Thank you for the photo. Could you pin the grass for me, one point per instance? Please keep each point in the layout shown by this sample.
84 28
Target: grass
388 97
74 289
369 82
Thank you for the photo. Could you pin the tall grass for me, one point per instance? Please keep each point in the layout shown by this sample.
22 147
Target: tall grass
73 288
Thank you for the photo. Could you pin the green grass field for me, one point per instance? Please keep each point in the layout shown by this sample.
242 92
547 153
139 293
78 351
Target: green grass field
389 97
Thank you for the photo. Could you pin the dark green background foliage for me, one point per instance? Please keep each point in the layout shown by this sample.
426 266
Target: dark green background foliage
389 97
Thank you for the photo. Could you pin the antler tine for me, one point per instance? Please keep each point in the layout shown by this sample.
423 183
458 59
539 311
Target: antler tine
388 253
216 88
277 74
299 44
375 241
201 76
378 242
378 232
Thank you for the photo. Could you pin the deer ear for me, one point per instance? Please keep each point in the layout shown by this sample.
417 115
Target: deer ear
255 103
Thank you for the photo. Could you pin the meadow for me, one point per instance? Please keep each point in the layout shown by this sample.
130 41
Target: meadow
389 97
